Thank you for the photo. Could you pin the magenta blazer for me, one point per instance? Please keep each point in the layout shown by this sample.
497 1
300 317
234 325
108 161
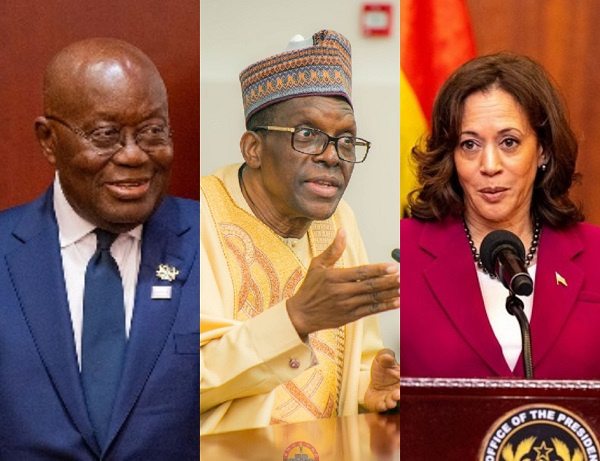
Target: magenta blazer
444 328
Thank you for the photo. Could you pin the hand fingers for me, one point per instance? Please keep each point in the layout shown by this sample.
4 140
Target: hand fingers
379 289
388 402
365 272
392 399
386 351
386 358
333 252
368 296
375 299
393 372
370 309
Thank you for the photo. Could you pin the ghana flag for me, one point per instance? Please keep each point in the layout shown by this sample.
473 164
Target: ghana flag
435 38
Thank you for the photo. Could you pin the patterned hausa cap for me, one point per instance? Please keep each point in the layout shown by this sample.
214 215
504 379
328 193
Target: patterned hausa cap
320 66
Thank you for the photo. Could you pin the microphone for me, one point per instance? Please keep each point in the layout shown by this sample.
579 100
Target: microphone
396 254
503 254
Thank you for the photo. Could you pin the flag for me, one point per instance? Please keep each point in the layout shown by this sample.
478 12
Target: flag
435 38
560 279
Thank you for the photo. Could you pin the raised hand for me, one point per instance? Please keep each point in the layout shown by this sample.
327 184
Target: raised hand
330 297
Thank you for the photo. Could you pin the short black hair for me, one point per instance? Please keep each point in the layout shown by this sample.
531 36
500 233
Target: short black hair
263 117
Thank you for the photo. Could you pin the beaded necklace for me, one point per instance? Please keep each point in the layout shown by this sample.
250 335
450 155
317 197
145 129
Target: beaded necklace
537 228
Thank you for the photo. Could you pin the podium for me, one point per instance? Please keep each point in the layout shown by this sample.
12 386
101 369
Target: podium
476 419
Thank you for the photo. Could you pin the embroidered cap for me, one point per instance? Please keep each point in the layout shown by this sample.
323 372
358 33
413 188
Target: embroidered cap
318 67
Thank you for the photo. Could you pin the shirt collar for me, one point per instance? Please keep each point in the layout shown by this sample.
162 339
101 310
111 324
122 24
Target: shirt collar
71 226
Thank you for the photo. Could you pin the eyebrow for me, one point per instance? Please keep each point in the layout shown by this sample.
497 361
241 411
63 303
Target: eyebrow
157 112
503 131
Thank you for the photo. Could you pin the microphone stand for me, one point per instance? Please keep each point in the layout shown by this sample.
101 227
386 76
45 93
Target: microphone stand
515 307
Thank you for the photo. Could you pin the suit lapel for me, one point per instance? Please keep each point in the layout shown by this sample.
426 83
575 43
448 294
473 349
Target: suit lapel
554 300
453 280
35 267
153 319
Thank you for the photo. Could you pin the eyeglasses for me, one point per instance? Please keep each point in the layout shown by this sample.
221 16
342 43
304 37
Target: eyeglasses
312 141
108 140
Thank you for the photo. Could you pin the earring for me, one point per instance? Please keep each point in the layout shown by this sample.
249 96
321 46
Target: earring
543 167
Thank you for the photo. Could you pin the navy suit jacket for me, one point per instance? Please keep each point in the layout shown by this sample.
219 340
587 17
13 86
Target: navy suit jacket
42 408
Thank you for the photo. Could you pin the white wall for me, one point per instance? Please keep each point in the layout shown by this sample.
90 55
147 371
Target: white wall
236 33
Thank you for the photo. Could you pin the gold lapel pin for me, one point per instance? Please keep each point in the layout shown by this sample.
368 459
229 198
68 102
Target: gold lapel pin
166 272
560 279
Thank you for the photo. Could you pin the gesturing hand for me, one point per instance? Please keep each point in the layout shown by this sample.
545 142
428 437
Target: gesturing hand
331 297
383 392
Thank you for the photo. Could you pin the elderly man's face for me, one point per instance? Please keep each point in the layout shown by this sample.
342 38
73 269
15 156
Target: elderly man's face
115 192
300 185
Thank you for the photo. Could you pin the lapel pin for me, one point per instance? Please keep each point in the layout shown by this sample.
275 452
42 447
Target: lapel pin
161 292
560 279
166 272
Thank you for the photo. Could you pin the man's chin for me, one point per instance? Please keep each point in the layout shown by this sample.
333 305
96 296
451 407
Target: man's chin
124 218
322 212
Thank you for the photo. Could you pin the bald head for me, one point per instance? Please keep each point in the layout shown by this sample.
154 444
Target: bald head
97 67
94 90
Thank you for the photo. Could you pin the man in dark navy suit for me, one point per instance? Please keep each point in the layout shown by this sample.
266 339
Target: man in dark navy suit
99 277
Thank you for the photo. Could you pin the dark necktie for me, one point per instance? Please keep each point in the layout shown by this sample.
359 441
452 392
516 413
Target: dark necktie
103 335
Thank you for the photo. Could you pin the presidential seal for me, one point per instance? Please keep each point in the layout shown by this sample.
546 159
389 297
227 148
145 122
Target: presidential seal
540 432
300 451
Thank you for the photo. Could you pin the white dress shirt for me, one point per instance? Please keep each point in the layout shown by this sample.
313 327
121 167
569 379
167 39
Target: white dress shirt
77 245
506 326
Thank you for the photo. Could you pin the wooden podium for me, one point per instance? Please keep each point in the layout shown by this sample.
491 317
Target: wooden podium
450 419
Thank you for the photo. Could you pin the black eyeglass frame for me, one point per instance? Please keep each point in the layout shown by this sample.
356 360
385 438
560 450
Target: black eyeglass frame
79 132
330 139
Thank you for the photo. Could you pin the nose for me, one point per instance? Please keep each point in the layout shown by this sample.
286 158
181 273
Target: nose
130 153
329 155
490 161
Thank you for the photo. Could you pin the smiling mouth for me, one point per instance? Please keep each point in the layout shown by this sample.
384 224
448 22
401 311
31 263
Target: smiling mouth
128 190
493 194
493 190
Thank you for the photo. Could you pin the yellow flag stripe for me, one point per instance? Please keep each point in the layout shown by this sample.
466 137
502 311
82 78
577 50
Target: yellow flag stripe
413 127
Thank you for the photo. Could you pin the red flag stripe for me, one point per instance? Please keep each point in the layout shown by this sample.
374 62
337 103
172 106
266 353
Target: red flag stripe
436 38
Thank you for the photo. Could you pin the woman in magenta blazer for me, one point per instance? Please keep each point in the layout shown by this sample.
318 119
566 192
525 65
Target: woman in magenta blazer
501 155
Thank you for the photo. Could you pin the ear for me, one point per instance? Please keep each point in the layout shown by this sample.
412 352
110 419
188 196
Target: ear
47 139
251 145
542 157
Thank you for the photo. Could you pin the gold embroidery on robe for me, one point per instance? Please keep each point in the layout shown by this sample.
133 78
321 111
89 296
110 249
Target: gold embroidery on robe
265 271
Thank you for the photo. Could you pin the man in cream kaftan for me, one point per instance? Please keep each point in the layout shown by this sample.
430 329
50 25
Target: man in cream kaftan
251 356
286 291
